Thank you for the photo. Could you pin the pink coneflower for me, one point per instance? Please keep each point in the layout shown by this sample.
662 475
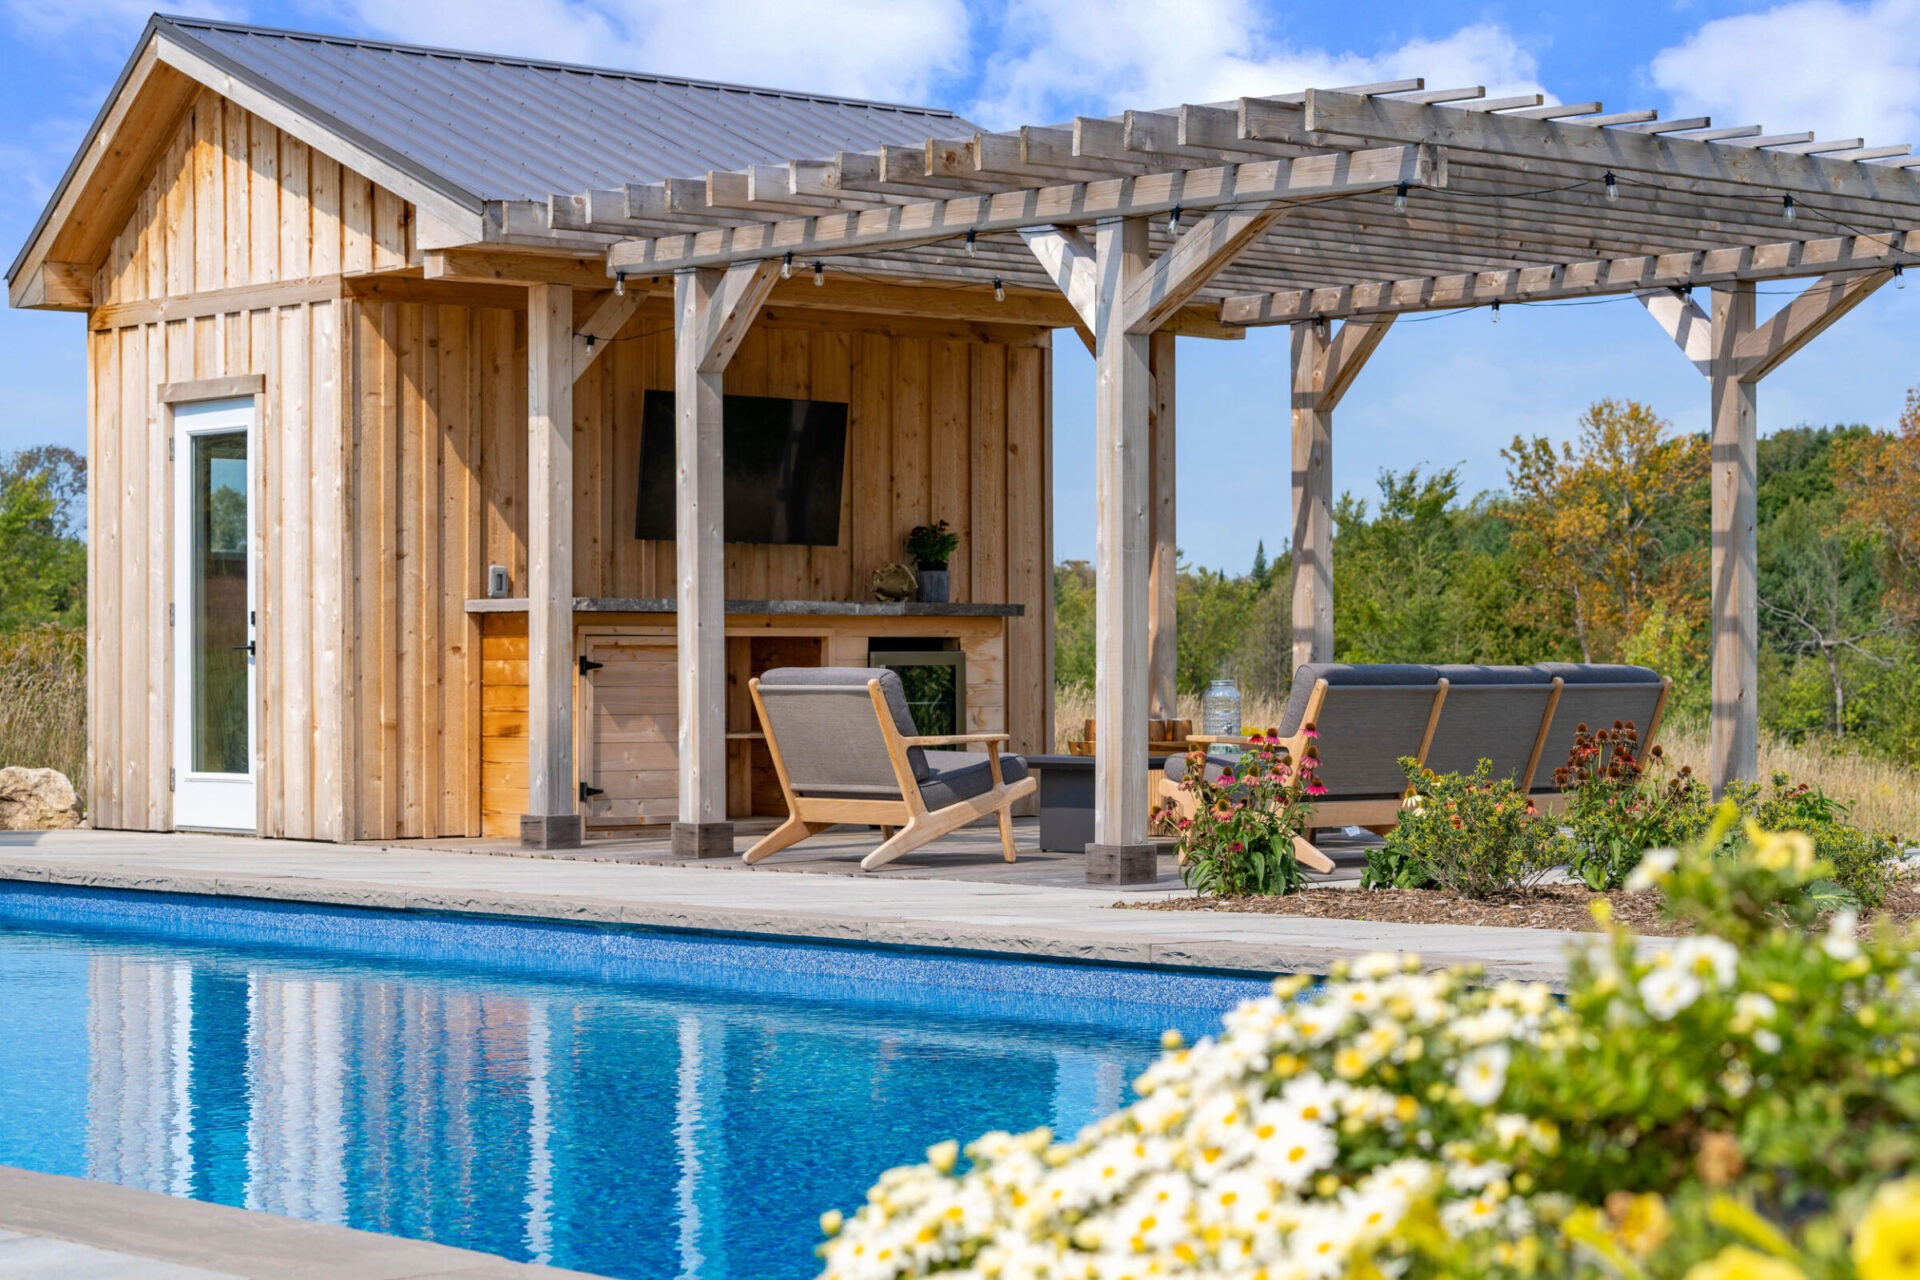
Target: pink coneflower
1226 778
1311 732
1316 788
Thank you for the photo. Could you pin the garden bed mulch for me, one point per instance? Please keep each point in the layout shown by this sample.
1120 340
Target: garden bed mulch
1555 906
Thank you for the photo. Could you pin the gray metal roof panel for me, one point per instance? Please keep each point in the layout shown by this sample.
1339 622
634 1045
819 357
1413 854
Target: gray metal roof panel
510 129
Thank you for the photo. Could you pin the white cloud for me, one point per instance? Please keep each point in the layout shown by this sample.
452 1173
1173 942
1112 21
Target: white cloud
1843 69
857 48
1059 58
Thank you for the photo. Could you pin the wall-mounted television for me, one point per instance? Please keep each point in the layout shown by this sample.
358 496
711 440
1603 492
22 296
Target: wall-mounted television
783 462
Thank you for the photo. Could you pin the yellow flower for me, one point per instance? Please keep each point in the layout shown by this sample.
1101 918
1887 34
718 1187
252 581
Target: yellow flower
1887 1244
1737 1262
831 1221
941 1155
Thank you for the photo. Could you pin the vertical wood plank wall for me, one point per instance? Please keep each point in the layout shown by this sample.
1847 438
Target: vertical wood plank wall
390 469
231 202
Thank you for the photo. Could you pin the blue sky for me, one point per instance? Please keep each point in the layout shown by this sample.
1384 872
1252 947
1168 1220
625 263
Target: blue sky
1440 392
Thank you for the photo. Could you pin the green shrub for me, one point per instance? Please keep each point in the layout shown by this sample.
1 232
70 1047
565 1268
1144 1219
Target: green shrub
1469 833
1619 807
1864 865
1744 1103
1239 840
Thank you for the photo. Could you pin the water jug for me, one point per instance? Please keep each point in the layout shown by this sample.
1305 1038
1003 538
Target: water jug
1220 709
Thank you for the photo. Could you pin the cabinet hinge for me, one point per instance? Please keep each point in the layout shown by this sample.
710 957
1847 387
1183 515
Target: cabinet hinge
169 448
588 664
169 779
588 791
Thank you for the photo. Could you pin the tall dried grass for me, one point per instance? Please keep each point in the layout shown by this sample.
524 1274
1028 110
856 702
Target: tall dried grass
43 701
1882 795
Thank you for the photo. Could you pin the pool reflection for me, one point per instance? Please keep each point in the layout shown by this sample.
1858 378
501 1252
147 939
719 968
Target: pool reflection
628 1131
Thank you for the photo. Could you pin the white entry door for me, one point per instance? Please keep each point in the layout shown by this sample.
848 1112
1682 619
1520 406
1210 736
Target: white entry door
213 616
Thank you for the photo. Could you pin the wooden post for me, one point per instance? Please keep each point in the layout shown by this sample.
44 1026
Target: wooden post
1312 498
712 311
1120 552
1162 575
552 819
1735 750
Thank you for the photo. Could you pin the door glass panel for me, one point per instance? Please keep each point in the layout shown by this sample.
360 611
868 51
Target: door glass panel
218 602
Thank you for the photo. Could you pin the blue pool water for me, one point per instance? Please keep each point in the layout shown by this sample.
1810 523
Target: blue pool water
638 1104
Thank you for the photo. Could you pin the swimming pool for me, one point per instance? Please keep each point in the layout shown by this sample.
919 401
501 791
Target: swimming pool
633 1103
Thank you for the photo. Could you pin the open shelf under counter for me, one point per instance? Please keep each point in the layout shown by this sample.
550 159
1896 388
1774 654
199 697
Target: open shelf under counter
778 608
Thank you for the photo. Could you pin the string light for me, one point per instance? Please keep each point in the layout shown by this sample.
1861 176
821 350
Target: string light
999 290
1899 276
1613 189
1173 221
1400 198
619 284
970 249
819 275
1496 313
1787 209
786 267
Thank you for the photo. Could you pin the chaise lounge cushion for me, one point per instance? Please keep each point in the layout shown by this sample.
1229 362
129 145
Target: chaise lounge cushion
1360 675
961 775
1176 768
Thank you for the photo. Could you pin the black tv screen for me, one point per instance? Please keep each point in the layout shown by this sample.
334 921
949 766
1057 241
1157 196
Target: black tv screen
782 469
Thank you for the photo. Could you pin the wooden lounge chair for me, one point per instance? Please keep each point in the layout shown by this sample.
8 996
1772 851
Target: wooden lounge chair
845 750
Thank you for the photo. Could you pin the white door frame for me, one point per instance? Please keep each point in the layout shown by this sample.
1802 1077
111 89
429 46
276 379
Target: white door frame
214 801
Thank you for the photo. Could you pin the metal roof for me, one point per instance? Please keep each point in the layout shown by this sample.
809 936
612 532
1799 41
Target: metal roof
498 128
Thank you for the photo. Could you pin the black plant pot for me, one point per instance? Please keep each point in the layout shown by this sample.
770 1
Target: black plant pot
933 585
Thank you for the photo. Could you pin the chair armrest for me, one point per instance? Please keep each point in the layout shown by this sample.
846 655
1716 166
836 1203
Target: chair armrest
1216 739
956 739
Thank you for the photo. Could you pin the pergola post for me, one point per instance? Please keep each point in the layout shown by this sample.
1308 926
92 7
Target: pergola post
713 310
1734 520
1325 363
552 820
1121 445
1163 571
1735 351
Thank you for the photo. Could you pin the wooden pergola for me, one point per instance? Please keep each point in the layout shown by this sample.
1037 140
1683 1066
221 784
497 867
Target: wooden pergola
1331 211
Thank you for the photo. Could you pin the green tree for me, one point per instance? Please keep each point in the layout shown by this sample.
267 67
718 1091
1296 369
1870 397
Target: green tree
43 557
1396 573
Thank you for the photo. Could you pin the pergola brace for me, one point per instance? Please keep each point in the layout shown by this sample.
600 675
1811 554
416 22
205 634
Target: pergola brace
608 318
1683 320
1068 260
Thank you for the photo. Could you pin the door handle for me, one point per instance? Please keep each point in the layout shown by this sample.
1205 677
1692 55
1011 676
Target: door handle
248 646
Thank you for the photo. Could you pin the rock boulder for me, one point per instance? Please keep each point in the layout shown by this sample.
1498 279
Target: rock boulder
37 800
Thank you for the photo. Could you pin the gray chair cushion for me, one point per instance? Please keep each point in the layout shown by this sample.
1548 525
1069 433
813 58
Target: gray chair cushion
1217 766
1598 673
822 719
961 775
1467 673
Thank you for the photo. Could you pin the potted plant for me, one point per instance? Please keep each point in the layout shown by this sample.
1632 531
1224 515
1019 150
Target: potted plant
931 546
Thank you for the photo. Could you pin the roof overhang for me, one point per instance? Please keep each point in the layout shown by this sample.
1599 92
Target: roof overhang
168 68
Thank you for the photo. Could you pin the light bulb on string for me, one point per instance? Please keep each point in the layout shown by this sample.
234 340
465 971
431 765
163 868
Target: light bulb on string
1400 198
999 290
1899 276
1496 313
1788 210
786 267
1173 221
1613 189
819 275
970 248
619 284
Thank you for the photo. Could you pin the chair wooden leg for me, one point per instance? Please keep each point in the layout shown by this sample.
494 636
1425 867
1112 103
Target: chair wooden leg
1006 830
790 832
886 833
1309 856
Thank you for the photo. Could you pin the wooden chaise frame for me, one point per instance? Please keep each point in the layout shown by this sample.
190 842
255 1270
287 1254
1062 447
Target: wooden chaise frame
905 824
1381 815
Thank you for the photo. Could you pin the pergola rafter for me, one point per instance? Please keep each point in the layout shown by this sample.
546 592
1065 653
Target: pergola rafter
1332 211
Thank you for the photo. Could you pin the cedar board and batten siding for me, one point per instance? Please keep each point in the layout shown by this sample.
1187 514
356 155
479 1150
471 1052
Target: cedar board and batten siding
231 205
389 469
940 426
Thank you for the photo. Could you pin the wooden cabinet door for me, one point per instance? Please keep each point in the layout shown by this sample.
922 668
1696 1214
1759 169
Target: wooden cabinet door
630 729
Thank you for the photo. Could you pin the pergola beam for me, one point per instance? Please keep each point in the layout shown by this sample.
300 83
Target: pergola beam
1074 203
1679 160
1784 260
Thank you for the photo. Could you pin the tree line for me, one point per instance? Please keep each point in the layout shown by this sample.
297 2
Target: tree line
1599 550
